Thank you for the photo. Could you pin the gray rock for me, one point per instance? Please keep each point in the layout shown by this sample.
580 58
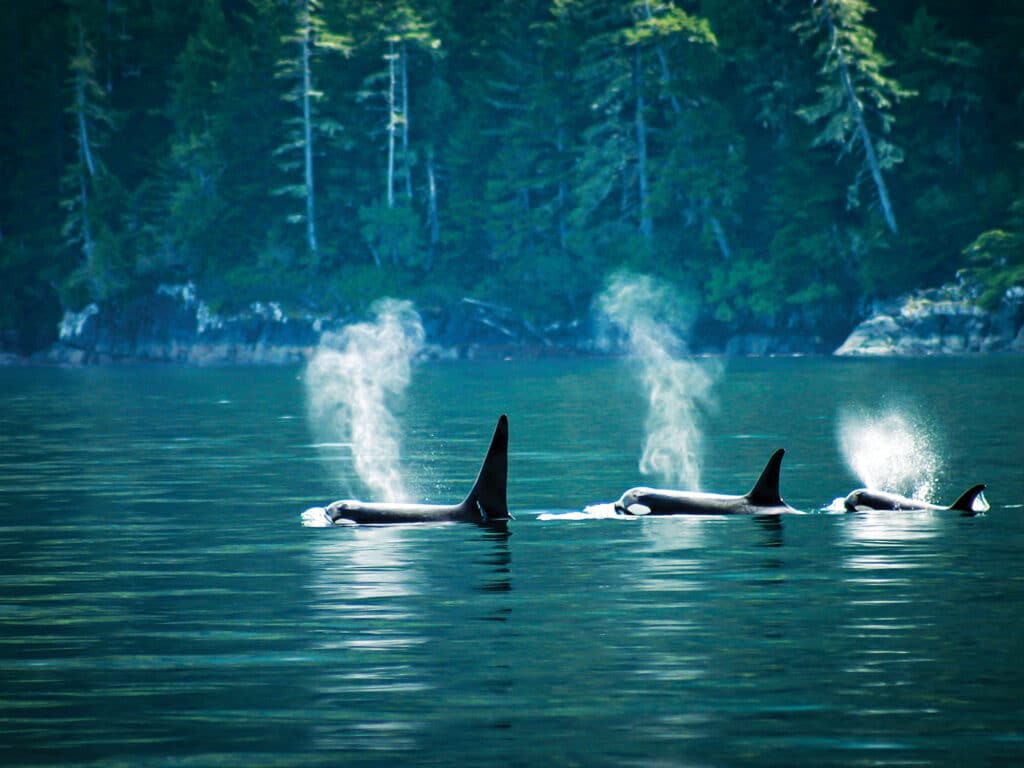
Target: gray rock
877 335
941 321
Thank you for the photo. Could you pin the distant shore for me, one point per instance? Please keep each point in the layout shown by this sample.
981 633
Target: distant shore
174 327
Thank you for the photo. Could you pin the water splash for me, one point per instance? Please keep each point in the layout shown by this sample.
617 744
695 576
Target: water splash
679 390
316 517
590 512
889 450
351 384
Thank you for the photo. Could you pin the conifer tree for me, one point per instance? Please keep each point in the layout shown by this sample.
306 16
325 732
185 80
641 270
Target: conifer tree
952 139
995 259
398 31
701 170
606 186
853 92
309 37
634 72
528 124
86 177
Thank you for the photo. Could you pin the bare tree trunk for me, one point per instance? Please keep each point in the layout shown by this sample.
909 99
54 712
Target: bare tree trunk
392 124
88 246
862 128
723 243
87 165
666 78
646 225
405 121
110 48
666 75
307 124
81 107
563 191
433 218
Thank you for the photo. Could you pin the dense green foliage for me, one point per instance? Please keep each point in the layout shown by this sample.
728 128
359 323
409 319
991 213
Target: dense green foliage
783 161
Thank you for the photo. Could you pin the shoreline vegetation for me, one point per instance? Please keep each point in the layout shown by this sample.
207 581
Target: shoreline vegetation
788 169
174 326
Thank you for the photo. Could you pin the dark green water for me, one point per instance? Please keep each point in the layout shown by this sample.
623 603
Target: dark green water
162 605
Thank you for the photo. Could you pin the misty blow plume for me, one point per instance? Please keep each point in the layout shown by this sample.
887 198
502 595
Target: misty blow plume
654 321
352 383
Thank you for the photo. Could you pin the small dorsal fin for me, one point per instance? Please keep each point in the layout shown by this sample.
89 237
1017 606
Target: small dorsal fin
765 492
488 496
966 501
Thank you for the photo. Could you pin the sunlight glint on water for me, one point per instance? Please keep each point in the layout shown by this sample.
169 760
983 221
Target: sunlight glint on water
161 605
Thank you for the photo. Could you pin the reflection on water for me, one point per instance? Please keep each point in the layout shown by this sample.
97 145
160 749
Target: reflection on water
892 620
160 604
391 615
888 526
883 547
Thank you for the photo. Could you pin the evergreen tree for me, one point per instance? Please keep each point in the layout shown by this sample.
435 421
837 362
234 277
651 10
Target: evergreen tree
942 182
853 92
391 228
33 140
542 143
643 71
528 121
87 228
611 181
995 259
700 179
309 37
219 172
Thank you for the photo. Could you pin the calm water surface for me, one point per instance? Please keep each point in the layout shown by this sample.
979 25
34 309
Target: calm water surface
162 605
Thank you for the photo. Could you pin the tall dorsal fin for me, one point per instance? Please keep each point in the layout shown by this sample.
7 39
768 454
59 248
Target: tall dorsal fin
966 501
765 492
488 497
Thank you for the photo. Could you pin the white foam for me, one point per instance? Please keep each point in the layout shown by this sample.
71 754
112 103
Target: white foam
837 505
591 512
316 517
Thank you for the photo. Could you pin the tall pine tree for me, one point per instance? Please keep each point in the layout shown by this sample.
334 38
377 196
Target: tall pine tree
855 97
88 226
309 37
403 36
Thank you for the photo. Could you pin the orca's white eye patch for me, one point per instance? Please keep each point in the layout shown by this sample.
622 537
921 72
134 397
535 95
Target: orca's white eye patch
638 509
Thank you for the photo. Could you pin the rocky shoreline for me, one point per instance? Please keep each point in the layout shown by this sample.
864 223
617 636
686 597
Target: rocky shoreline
174 326
939 321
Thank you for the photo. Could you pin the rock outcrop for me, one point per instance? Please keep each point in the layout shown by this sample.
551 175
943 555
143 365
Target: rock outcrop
173 326
939 321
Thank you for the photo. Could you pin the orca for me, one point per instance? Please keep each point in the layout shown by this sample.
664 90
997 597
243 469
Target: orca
865 499
486 503
762 499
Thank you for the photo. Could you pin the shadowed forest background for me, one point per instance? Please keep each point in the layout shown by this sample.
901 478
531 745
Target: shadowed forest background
785 163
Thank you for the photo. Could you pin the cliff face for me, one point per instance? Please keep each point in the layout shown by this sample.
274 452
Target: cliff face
173 326
938 322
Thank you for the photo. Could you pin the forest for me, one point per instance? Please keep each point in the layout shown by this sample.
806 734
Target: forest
783 163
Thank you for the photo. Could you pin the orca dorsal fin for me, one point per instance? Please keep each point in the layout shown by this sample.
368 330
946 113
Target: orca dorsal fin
765 492
966 501
488 497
